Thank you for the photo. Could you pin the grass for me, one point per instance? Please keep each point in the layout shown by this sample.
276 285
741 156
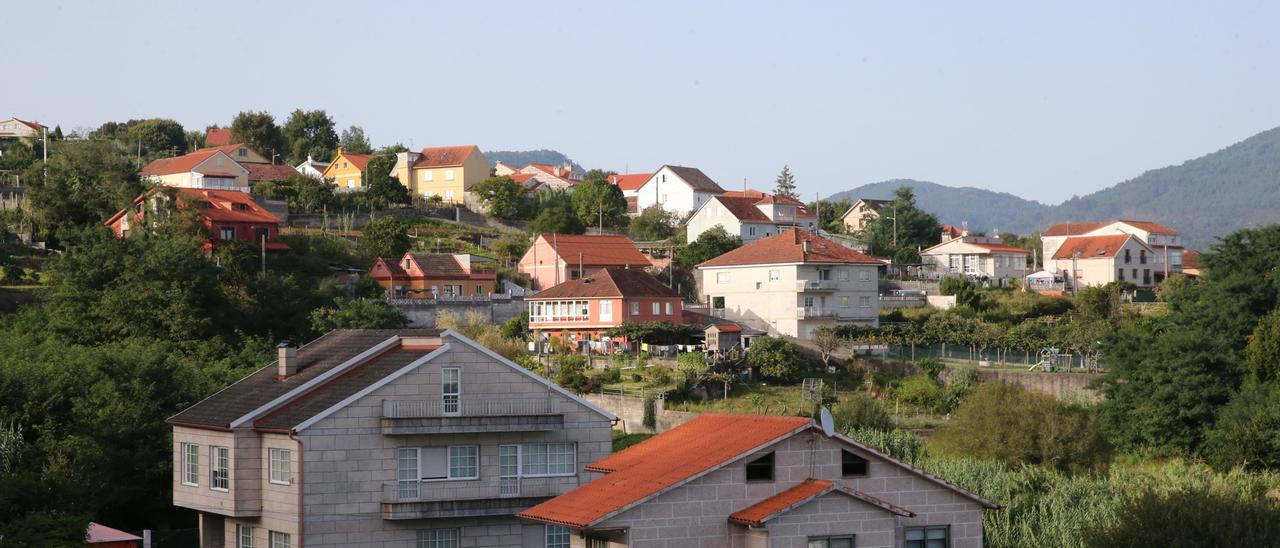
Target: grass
622 441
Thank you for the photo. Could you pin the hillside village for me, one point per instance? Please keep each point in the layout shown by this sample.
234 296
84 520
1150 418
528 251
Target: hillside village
288 340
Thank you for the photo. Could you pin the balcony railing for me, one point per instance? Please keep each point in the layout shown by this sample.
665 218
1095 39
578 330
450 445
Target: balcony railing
422 409
491 488
815 285
810 312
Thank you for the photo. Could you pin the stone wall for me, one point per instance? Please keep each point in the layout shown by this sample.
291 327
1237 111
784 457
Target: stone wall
630 412
1059 385
423 314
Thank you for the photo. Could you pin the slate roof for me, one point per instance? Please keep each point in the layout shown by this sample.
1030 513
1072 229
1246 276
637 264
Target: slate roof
1092 247
696 179
804 492
609 282
788 247
744 209
597 250
262 386
445 156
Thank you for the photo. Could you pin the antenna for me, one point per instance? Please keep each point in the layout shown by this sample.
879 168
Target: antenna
828 424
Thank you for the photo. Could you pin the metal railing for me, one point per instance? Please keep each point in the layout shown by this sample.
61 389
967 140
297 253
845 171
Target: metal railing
420 409
427 298
480 489
807 312
815 285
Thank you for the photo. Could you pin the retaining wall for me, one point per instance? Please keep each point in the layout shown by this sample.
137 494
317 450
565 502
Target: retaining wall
423 315
630 412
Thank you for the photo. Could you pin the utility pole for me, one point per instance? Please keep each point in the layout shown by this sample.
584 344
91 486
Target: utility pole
601 215
264 256
1074 257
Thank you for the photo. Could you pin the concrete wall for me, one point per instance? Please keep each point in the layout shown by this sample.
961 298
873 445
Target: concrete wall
1059 385
422 314
630 409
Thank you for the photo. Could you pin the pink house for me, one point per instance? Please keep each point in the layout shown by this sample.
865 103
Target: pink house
556 258
587 308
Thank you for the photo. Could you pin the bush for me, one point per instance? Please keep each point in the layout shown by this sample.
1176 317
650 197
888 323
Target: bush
932 367
1003 422
659 375
1247 432
1195 518
650 419
611 375
571 371
897 443
775 359
952 285
636 377
960 384
920 390
860 412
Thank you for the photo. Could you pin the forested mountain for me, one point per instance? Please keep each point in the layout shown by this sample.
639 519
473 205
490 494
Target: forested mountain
1210 196
522 157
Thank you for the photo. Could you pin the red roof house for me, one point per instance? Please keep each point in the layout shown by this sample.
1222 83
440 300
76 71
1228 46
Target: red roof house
555 258
226 214
607 298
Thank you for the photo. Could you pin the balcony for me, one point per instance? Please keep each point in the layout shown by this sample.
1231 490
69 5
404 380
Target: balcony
812 312
815 285
459 499
470 415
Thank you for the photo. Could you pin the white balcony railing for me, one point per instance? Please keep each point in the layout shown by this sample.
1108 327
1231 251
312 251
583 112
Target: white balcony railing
810 312
482 489
815 285
419 409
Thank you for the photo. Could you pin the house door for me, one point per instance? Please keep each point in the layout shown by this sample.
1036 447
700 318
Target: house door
509 470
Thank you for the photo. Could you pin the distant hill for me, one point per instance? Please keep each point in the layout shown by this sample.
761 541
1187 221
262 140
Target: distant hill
522 157
1210 196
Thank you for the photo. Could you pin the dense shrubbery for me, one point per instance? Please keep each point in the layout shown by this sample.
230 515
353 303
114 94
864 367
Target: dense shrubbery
859 411
776 359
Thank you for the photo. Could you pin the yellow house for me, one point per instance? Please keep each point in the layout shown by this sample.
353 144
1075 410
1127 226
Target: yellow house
347 170
447 172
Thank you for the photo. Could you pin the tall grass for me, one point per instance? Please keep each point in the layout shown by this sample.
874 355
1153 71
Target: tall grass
1131 504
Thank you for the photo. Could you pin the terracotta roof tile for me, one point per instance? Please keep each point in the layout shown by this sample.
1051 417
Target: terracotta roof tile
445 156
227 205
1071 229
609 282
748 193
269 172
597 250
1190 259
630 181
807 490
659 463
178 164
1092 247
788 247
217 137
1151 227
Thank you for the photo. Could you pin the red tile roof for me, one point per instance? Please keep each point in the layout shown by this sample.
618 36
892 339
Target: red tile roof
781 503
1091 247
626 283
630 181
653 466
1190 259
217 137
597 250
445 156
228 205
1151 227
788 247
358 160
748 193
177 164
269 172
1071 229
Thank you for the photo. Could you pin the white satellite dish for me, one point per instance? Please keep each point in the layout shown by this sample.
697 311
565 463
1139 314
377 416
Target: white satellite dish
828 424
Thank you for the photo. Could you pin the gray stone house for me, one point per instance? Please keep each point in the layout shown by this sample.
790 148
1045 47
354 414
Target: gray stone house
384 438
760 481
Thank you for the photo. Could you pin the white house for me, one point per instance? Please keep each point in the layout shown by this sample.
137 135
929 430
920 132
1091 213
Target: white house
312 168
1098 260
976 257
750 217
1164 242
678 190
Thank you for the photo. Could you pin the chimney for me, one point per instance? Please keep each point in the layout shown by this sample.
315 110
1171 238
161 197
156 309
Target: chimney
288 360
341 150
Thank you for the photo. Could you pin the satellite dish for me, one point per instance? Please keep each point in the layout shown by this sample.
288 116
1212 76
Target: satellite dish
828 424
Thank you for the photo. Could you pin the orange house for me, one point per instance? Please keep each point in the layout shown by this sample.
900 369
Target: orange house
226 215
588 307
427 276
555 258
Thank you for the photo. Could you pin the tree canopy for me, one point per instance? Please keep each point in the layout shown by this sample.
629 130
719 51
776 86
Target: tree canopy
901 229
654 223
309 133
595 200
258 131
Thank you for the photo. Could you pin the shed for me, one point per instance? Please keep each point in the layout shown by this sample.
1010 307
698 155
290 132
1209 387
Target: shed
722 337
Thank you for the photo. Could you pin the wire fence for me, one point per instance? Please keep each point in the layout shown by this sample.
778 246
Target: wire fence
986 356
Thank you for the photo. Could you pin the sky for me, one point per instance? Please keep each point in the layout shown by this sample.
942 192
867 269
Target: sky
1044 101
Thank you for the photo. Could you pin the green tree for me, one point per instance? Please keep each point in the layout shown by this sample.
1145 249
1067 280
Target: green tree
258 131
556 220
709 245
510 247
86 182
1262 353
776 359
505 198
384 237
308 133
654 223
357 314
901 228
1003 422
158 136
830 214
354 141
786 183
595 201
1247 432
380 188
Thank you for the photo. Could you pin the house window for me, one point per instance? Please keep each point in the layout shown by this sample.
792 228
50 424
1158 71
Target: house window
864 302
926 537
464 462
751 231
831 542
657 308
438 538
606 311
280 540
351 183
479 290
1120 274
824 274
428 176
557 537
844 302
448 195
244 537
279 462
670 309
1135 273
664 177
864 275
243 152
407 472
808 302
593 542
722 277
1127 257
852 465
191 464
842 275
761 469
219 468
635 309
450 390
227 233
344 165
548 459
775 275
448 175
1142 256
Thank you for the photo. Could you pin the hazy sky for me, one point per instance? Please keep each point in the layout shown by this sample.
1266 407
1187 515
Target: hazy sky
1041 101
